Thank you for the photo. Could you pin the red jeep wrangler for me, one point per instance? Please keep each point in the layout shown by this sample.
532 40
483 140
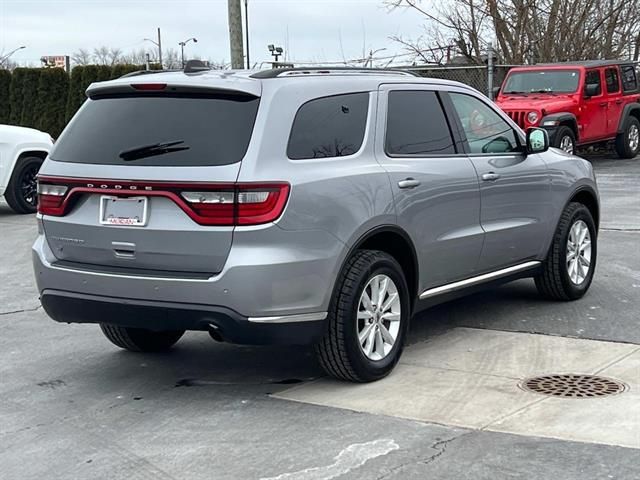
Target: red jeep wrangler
577 103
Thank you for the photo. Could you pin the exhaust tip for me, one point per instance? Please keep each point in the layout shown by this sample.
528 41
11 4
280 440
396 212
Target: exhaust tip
214 332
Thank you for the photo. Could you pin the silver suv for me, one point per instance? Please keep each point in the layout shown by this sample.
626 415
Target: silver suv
321 207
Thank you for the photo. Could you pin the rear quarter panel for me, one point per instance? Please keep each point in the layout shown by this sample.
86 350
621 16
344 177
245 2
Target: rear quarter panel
14 142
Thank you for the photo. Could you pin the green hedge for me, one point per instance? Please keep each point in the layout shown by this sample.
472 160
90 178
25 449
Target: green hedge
47 98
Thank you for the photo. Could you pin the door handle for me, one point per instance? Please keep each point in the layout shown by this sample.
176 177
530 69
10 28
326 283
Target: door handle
408 183
490 177
603 104
618 102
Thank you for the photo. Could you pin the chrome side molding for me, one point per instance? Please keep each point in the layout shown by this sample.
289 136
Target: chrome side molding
432 292
302 317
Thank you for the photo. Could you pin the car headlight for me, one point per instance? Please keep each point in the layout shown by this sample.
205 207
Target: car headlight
533 117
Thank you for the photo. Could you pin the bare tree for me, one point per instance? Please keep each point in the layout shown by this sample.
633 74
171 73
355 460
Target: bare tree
81 57
101 55
114 56
529 30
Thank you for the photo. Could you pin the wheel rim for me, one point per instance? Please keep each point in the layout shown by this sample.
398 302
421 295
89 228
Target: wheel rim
579 252
29 185
634 137
566 144
379 316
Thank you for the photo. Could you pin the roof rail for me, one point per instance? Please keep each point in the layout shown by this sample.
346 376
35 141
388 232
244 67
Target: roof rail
301 71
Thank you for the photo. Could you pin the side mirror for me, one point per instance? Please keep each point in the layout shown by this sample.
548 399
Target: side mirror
537 140
496 91
592 90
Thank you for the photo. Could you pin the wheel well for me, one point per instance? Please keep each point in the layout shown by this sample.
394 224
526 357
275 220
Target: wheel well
35 153
588 199
572 125
400 248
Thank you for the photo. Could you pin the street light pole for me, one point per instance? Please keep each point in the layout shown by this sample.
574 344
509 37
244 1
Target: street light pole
6 57
182 45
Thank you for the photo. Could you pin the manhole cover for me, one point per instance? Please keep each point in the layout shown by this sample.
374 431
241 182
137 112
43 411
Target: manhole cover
573 386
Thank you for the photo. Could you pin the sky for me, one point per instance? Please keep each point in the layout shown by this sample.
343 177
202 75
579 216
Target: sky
309 30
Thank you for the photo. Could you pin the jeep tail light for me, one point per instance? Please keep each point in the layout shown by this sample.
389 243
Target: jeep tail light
205 203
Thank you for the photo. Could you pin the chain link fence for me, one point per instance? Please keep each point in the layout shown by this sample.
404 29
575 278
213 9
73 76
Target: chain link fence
474 76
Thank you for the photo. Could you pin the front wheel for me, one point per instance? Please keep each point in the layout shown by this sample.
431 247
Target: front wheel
628 142
565 140
368 319
140 339
21 194
568 269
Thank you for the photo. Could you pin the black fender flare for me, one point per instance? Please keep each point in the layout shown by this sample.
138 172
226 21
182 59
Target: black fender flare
629 109
560 118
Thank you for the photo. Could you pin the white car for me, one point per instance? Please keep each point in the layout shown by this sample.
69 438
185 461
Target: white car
22 151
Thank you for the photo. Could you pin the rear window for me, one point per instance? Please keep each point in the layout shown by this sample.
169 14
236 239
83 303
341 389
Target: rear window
160 130
329 127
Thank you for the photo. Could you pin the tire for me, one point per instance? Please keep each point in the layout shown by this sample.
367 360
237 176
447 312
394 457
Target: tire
21 194
139 339
555 281
564 137
628 142
340 352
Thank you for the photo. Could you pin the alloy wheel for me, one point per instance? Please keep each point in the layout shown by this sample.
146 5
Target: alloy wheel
566 144
579 252
29 185
378 320
634 138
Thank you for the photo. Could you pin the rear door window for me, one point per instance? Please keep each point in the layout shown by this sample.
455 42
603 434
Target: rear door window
160 130
416 125
329 127
612 80
629 78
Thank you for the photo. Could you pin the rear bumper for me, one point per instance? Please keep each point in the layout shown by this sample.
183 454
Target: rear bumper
68 307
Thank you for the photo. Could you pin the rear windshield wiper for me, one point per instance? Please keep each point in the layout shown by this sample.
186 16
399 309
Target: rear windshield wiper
152 150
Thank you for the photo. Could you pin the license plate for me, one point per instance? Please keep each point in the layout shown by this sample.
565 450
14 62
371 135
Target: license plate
129 212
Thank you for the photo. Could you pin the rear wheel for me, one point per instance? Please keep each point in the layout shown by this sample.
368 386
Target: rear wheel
568 269
22 194
628 142
368 319
565 140
140 339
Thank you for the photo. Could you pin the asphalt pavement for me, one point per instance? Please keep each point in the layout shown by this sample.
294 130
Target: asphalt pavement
73 406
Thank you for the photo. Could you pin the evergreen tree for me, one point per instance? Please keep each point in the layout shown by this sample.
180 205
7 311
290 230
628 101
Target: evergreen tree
5 104
29 96
53 89
76 92
15 96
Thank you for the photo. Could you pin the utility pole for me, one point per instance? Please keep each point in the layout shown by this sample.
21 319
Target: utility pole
159 49
235 33
246 30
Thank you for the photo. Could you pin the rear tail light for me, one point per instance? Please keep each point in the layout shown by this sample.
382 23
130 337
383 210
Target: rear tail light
206 204
51 198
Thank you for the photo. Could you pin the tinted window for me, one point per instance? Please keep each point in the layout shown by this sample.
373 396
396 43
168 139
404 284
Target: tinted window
629 79
486 131
203 130
561 81
416 125
329 127
612 81
593 78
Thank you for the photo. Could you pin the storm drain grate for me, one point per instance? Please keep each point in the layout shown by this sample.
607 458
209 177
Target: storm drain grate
573 386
